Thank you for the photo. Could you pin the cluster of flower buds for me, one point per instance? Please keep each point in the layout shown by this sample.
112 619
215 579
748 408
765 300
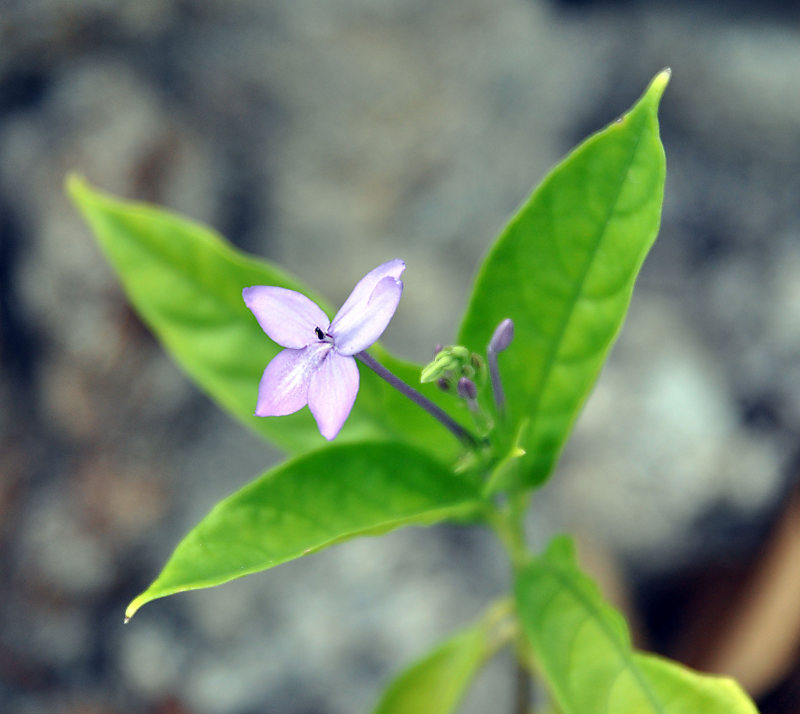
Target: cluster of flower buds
455 367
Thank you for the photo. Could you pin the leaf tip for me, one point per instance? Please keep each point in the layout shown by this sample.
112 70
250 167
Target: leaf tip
134 606
74 184
659 83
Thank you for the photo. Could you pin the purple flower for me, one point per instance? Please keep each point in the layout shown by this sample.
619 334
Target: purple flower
317 367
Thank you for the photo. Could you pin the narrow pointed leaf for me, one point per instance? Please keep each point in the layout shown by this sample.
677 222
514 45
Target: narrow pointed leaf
310 503
186 283
437 682
564 269
584 650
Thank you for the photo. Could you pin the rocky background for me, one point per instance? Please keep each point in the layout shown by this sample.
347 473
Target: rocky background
330 137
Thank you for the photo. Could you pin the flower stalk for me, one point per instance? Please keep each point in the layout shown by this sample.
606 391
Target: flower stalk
462 434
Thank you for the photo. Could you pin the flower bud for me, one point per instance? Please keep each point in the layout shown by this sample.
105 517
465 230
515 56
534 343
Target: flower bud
458 352
449 360
467 389
502 336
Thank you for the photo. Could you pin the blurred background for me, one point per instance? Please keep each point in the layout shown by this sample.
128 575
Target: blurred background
331 137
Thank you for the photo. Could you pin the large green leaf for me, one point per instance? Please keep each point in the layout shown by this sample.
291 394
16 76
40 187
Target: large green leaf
186 282
584 650
563 269
309 503
436 683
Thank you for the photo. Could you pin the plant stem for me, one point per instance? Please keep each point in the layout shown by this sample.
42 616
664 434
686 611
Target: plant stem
518 552
436 412
497 384
522 689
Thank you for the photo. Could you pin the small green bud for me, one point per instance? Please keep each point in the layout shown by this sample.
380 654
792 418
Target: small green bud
449 359
459 352
438 368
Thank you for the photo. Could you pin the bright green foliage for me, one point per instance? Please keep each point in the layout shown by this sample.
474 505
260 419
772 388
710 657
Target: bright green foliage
436 683
186 283
305 505
563 269
584 650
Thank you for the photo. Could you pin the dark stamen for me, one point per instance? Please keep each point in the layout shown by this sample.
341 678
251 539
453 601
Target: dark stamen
319 333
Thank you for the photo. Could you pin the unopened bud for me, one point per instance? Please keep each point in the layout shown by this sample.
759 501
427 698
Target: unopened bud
449 359
459 352
467 389
437 369
437 349
443 384
502 336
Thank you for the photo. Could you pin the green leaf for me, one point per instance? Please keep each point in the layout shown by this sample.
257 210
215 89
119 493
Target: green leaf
186 283
310 503
584 650
564 269
436 683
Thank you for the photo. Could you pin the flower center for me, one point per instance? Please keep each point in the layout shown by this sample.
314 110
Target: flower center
323 336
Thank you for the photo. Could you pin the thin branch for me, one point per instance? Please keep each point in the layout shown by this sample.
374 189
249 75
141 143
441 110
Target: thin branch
436 412
522 689
497 384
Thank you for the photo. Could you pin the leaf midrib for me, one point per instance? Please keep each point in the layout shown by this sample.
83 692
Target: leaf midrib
391 523
576 293
626 655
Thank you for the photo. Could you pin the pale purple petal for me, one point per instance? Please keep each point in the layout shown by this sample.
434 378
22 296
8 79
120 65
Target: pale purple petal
364 288
284 384
288 317
332 392
360 328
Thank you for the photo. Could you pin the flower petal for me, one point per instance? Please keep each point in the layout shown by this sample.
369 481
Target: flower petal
288 317
332 392
364 287
364 324
284 384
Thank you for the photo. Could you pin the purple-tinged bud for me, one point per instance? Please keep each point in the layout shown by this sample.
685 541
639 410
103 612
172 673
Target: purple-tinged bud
467 389
501 339
443 384
437 349
502 336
